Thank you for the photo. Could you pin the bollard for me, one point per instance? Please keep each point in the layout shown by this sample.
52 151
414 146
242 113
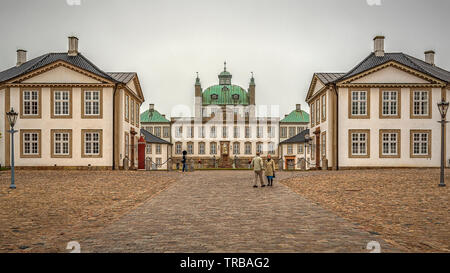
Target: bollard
126 163
148 164
324 164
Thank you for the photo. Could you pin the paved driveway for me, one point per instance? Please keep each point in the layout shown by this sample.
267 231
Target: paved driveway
220 211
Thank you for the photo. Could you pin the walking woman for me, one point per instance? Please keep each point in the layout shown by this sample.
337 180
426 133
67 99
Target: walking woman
270 170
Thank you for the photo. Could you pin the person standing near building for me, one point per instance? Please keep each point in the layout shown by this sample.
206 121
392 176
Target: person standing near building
258 167
183 161
270 170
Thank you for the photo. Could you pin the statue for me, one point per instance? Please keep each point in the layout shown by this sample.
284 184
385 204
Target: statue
225 149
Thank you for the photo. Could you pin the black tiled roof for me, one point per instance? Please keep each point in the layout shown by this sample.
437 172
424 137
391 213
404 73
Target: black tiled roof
123 77
299 138
150 138
79 60
329 77
372 61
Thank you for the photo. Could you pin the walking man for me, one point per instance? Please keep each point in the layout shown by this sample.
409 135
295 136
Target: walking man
258 166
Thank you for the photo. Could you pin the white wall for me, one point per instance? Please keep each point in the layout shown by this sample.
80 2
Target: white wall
163 156
284 148
207 140
76 124
405 124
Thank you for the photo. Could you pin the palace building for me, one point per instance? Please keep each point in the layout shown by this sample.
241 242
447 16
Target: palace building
225 131
71 113
381 113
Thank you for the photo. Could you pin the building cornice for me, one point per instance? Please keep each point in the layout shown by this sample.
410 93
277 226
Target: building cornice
390 85
56 85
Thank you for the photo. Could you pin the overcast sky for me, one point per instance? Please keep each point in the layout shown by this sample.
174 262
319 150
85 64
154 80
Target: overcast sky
282 41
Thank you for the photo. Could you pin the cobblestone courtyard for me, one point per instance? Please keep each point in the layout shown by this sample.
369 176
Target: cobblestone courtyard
219 211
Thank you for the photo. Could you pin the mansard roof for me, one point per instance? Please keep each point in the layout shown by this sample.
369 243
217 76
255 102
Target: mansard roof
296 116
372 61
299 138
150 138
79 61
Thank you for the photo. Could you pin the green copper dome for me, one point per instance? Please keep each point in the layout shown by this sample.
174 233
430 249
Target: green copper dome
225 95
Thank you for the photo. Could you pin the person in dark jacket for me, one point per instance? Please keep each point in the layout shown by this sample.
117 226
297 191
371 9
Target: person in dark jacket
184 160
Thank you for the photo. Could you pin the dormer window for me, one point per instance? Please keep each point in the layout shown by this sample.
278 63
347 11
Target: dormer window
224 89
235 98
214 96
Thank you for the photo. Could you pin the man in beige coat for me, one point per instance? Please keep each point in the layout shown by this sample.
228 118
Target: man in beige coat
258 167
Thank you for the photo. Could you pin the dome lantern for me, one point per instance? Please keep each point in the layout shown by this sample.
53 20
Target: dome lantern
225 76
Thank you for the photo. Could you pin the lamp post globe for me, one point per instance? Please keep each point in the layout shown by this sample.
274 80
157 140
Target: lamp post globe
12 119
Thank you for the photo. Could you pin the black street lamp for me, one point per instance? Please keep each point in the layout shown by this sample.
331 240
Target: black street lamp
12 118
443 107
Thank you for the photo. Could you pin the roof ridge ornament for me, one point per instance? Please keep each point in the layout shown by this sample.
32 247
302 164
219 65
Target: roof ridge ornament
225 66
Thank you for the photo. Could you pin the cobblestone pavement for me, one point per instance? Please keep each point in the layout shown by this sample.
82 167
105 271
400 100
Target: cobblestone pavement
220 211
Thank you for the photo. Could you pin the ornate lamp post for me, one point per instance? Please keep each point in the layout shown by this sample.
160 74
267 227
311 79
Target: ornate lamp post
309 145
443 107
12 118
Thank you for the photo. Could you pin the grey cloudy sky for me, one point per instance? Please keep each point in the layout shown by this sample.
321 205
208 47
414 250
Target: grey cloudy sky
166 41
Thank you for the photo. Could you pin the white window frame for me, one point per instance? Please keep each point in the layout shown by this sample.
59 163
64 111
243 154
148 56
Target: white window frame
248 148
178 148
419 144
61 144
213 148
389 106
389 143
201 148
359 143
90 103
158 149
61 104
236 148
359 103
92 143
31 103
236 132
31 143
421 104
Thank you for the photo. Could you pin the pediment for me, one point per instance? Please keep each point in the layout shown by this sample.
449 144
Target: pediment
59 72
391 74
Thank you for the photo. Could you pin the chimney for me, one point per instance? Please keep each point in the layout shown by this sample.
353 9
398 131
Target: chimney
429 57
378 46
298 107
73 46
164 115
21 56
